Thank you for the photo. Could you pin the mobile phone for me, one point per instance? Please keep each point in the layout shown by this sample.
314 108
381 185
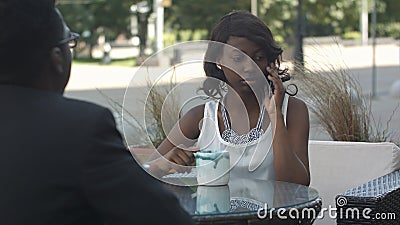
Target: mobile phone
283 79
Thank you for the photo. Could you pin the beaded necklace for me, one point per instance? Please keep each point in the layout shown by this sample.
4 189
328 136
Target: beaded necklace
229 135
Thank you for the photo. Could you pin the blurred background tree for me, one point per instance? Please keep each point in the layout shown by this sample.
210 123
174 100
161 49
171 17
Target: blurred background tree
192 19
193 15
92 18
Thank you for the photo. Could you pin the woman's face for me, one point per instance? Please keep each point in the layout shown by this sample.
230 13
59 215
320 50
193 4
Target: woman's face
244 65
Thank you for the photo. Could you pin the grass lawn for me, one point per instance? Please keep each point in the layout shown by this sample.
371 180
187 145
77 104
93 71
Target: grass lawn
128 62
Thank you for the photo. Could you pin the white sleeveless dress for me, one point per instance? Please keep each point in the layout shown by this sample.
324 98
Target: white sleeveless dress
250 160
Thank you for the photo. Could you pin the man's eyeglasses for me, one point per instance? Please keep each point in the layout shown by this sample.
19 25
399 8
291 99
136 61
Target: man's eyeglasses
72 40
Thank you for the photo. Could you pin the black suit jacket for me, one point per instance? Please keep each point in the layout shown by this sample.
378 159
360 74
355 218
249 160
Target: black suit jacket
63 162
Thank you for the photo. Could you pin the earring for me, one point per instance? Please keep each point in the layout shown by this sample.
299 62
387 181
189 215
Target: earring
219 66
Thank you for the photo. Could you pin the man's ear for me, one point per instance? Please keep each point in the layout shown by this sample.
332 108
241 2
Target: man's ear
57 59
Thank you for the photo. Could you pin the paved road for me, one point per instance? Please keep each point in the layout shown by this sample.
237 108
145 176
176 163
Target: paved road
88 81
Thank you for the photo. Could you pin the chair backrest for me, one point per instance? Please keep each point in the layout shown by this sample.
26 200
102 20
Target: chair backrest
338 166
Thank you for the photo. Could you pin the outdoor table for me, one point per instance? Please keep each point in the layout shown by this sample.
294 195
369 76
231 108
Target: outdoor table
243 201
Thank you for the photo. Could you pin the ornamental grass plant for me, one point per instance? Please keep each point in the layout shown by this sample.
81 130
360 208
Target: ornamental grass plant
336 100
161 112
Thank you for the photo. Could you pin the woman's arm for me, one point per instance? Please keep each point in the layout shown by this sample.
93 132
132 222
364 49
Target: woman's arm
291 144
175 149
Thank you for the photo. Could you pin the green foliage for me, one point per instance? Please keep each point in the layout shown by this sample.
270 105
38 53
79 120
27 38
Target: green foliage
352 35
184 35
389 12
194 19
280 16
194 14
96 17
328 17
127 62
336 16
111 15
388 30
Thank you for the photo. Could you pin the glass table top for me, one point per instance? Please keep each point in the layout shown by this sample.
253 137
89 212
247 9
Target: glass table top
242 195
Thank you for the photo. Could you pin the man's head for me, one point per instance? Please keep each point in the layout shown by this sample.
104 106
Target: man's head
34 49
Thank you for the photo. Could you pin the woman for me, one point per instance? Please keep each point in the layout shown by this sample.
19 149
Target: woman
264 129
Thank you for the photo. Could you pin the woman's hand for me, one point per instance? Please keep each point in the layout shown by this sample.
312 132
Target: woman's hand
178 160
274 104
182 155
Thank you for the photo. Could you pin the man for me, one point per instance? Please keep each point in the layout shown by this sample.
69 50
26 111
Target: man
62 161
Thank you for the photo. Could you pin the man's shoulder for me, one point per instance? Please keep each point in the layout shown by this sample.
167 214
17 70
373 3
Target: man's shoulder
80 105
23 95
50 106
82 110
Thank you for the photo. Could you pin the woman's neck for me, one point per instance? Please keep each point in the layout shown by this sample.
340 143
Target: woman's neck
236 101
243 112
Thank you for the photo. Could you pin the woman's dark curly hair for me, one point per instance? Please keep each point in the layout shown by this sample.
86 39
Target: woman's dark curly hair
238 24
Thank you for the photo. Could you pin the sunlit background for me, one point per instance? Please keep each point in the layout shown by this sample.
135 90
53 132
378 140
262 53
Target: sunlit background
118 35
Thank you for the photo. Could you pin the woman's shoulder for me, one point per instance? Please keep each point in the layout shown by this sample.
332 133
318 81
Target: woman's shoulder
296 103
297 109
198 111
189 119
194 114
